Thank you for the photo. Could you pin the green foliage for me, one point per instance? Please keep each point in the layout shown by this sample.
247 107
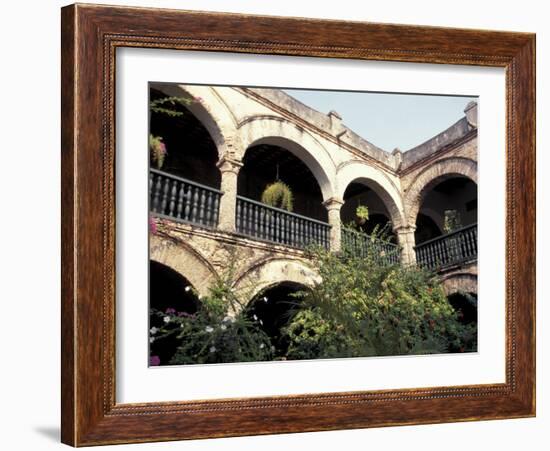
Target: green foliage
212 334
157 150
365 307
166 105
452 221
279 195
362 212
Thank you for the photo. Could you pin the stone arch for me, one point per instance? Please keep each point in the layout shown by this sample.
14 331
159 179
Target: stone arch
184 259
380 183
210 111
461 282
274 270
431 176
283 133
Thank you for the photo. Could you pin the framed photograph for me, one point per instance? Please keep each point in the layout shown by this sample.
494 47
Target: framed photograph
278 225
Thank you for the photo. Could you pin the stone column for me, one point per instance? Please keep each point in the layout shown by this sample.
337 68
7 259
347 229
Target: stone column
405 237
229 169
333 206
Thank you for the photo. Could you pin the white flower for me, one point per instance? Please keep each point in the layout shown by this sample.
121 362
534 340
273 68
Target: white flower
153 330
223 327
152 340
199 297
261 322
264 299
255 318
187 288
228 319
209 329
212 348
261 345
166 319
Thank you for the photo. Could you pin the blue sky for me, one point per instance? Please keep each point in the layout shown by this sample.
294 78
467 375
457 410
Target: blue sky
388 120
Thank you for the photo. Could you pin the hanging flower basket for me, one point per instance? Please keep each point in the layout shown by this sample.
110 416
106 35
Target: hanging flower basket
157 149
361 214
279 195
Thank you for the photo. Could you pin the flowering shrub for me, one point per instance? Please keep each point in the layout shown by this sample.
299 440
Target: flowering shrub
158 150
212 335
365 308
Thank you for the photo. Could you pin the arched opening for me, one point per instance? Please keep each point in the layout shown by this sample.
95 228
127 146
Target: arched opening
273 308
169 291
448 204
264 164
426 228
465 305
191 153
360 194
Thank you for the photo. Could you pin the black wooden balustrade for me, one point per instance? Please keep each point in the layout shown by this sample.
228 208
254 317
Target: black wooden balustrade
457 247
180 199
359 244
261 221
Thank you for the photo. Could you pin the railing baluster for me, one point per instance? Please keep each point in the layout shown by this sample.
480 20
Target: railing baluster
172 203
181 196
238 219
207 208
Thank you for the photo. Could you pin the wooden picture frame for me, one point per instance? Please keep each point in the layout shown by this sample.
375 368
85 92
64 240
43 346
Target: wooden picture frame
90 36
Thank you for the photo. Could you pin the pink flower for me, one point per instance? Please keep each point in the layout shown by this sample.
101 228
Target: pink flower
162 148
154 360
152 226
170 310
199 99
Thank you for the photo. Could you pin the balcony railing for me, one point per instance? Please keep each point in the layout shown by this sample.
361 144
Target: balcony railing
180 199
360 244
454 248
261 221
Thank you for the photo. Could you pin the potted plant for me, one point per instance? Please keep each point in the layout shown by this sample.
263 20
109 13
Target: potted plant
279 195
361 215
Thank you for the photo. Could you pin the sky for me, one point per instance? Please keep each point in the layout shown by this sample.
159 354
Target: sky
388 120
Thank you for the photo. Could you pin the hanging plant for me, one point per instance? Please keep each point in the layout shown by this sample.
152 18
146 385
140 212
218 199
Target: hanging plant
158 150
279 195
362 214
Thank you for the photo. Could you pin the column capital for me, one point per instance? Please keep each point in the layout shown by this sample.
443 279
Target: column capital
227 164
404 229
333 203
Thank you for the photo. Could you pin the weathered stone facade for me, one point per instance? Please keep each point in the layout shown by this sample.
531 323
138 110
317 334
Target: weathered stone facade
240 118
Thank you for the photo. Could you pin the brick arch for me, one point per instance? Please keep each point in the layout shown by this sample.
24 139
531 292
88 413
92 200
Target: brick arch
213 114
462 282
431 176
361 172
273 271
283 133
184 259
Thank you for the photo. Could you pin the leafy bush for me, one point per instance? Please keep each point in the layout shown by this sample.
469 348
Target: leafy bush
367 307
279 195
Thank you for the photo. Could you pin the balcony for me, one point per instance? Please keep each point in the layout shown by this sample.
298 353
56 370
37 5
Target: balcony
261 221
183 200
448 250
360 244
